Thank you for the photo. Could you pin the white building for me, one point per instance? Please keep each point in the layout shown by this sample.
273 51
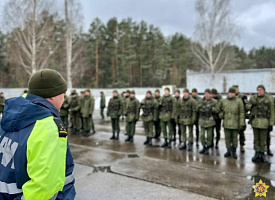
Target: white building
248 80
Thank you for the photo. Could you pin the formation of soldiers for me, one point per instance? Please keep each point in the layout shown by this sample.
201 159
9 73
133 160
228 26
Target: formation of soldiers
80 108
170 115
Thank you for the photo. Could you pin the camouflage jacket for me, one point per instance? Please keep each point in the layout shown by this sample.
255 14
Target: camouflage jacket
149 107
132 110
64 110
115 107
88 106
186 111
167 108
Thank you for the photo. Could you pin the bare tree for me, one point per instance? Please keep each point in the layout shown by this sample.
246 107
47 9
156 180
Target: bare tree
72 18
32 32
214 32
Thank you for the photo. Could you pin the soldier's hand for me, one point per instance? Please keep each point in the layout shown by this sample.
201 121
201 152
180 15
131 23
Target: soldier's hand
270 128
172 120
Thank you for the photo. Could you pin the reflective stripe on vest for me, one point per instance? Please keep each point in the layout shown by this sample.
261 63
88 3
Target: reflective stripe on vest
9 188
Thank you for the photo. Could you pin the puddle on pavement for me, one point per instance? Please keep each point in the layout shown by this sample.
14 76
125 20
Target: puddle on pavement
133 156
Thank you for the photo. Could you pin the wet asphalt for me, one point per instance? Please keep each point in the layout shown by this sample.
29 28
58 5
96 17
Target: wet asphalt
108 169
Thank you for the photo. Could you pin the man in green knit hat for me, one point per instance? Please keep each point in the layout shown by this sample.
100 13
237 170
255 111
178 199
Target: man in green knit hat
158 122
196 123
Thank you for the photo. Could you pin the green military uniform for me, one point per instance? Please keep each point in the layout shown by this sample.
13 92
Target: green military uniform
207 108
157 123
125 99
102 105
87 110
268 138
243 97
233 115
64 112
132 116
174 123
149 106
81 105
197 98
261 118
75 106
114 110
2 103
167 115
187 115
217 127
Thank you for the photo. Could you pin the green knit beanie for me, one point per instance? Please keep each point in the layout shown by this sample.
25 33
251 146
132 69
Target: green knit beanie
232 90
214 91
186 90
47 83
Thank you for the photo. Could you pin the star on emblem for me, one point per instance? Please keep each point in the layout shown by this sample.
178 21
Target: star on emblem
260 189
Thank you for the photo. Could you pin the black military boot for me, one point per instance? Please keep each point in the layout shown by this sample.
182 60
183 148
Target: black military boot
169 144
150 142
128 139
263 158
183 146
190 146
117 136
234 155
131 139
157 136
228 153
87 134
165 144
269 152
146 141
113 137
203 150
256 157
206 150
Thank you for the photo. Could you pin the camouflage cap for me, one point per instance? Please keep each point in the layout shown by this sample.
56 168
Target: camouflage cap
261 86
128 91
186 90
214 91
194 90
178 91
88 91
133 92
115 91
167 88
82 92
149 92
235 86
157 90
207 90
232 90
73 92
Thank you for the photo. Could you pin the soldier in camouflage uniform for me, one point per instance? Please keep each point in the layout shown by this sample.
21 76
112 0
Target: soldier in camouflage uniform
218 97
81 103
241 132
149 106
167 116
64 111
175 124
186 117
114 110
87 110
233 115
197 98
75 106
2 103
207 108
132 116
268 137
261 109
102 105
125 99
157 123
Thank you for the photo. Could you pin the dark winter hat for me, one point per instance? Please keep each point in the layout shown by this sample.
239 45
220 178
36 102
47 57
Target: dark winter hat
167 88
132 92
149 92
232 90
186 90
207 90
214 91
194 90
261 86
235 86
178 91
73 92
157 90
47 83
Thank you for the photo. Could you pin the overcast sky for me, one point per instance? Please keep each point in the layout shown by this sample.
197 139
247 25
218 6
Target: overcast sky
256 18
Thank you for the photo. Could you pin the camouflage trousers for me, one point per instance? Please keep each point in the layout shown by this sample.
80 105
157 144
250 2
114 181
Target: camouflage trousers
183 129
148 126
231 138
260 136
206 141
115 125
131 128
102 113
65 120
88 123
164 125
